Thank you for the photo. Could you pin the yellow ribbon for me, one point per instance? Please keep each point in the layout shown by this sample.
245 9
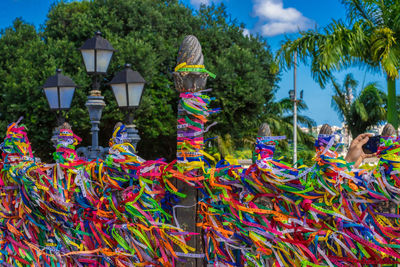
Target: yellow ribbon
184 65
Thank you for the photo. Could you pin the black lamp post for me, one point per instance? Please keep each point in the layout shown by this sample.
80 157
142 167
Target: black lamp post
59 90
127 86
96 53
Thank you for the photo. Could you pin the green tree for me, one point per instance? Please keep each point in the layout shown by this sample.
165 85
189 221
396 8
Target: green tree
280 119
344 96
22 70
147 34
367 110
370 38
287 108
362 111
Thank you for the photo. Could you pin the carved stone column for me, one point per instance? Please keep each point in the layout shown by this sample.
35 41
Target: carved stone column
189 79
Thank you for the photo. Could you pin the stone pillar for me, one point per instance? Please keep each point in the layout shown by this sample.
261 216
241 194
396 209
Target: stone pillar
190 78
189 81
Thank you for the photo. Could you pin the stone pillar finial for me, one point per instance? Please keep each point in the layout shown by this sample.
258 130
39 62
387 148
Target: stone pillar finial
66 125
388 130
190 52
264 130
326 129
191 57
118 124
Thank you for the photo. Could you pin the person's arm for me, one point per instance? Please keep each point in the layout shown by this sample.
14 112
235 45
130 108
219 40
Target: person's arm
355 153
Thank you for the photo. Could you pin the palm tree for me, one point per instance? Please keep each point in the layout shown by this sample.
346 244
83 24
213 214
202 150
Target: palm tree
370 38
278 115
367 110
343 98
280 118
360 112
287 108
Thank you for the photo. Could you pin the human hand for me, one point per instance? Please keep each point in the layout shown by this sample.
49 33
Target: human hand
355 153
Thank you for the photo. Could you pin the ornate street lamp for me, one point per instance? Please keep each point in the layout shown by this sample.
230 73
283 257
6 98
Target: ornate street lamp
59 90
127 86
96 53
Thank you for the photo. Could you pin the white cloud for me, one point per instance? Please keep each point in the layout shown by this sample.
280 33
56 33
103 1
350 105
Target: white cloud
281 27
278 20
197 3
246 32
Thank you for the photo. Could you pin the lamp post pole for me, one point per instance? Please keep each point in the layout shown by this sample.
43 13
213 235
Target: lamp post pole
96 53
132 132
95 105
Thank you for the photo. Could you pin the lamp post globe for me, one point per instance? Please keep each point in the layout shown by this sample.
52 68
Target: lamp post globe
127 86
59 90
97 53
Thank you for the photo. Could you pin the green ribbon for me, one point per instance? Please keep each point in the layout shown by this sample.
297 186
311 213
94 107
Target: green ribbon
212 75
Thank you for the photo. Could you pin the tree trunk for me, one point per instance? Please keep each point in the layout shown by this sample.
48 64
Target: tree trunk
391 103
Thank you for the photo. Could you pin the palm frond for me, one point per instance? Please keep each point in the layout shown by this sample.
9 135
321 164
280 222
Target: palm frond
364 9
350 84
335 48
360 110
307 121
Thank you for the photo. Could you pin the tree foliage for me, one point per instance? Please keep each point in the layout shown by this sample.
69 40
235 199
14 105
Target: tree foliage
344 96
147 34
365 110
280 119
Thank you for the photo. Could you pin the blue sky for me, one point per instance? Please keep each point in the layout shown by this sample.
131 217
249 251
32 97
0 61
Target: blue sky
273 19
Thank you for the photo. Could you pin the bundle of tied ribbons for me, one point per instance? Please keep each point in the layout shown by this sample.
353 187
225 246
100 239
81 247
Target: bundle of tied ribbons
115 212
329 214
118 212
